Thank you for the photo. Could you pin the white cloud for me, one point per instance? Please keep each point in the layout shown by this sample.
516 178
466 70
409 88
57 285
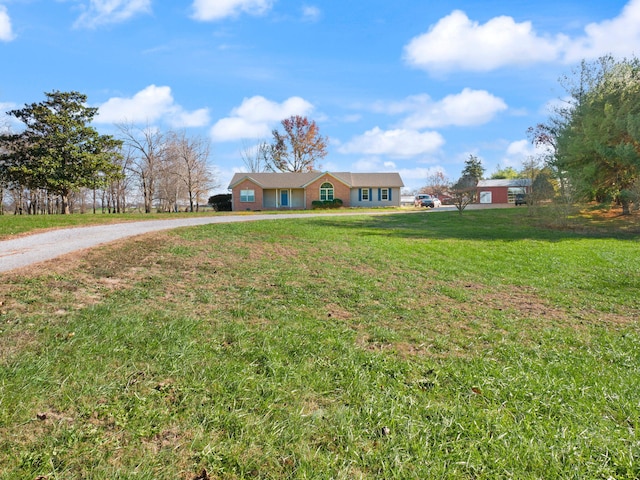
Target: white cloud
205 10
469 107
255 117
416 178
8 123
519 151
373 164
149 105
311 13
6 32
619 36
520 148
395 143
456 42
102 12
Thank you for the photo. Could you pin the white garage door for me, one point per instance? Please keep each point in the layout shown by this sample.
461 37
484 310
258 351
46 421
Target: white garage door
485 197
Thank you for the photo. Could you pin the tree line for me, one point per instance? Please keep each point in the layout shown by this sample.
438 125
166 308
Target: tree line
591 144
59 163
593 137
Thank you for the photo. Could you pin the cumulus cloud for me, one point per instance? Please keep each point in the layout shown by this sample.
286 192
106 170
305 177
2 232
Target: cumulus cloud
6 32
394 143
206 10
102 12
520 150
467 108
255 117
149 105
619 36
456 42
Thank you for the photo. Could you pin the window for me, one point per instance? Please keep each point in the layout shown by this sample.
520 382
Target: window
365 194
247 196
384 194
326 191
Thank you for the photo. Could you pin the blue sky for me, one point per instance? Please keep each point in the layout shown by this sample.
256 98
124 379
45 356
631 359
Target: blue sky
407 86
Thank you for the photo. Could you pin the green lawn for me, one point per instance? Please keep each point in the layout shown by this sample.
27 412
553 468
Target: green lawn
11 225
428 345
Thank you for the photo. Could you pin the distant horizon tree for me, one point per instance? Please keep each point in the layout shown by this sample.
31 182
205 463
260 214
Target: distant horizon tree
436 184
506 173
473 168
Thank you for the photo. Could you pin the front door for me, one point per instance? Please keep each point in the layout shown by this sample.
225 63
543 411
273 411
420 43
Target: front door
284 198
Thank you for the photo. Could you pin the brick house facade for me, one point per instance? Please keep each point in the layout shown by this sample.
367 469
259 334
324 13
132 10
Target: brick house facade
298 191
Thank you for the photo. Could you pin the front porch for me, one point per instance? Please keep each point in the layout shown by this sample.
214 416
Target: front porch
283 198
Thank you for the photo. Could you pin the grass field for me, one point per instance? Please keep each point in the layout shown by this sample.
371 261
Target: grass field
423 345
12 225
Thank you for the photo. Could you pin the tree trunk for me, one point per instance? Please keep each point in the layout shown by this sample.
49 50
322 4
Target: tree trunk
65 204
626 208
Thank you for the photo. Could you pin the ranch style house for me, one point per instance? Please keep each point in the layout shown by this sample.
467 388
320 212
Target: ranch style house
298 190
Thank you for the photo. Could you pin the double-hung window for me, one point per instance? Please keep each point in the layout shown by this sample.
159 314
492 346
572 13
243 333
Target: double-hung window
247 195
384 194
365 194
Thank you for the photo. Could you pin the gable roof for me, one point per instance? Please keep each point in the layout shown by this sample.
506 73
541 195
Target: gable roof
275 180
355 180
268 180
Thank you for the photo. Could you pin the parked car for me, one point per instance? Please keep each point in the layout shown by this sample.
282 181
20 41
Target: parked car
520 199
426 200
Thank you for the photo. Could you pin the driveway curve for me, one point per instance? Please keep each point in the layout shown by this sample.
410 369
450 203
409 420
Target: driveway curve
39 247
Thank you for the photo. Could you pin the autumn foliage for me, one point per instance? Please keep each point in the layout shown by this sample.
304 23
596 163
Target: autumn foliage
298 148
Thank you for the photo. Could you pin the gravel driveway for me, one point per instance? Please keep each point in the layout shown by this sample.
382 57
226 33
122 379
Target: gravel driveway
38 247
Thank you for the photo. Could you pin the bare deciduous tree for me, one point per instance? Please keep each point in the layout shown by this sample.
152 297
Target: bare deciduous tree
255 157
463 192
147 148
437 184
189 160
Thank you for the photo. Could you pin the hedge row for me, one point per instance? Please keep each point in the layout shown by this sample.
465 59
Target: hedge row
335 203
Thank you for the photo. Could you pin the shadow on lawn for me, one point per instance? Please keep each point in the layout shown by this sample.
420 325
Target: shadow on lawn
499 224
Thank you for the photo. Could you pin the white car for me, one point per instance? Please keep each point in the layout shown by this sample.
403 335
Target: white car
426 200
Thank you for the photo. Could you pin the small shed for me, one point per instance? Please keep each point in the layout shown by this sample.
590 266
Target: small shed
502 190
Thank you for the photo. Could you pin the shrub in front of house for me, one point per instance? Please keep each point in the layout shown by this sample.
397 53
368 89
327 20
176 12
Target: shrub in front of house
221 202
335 203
